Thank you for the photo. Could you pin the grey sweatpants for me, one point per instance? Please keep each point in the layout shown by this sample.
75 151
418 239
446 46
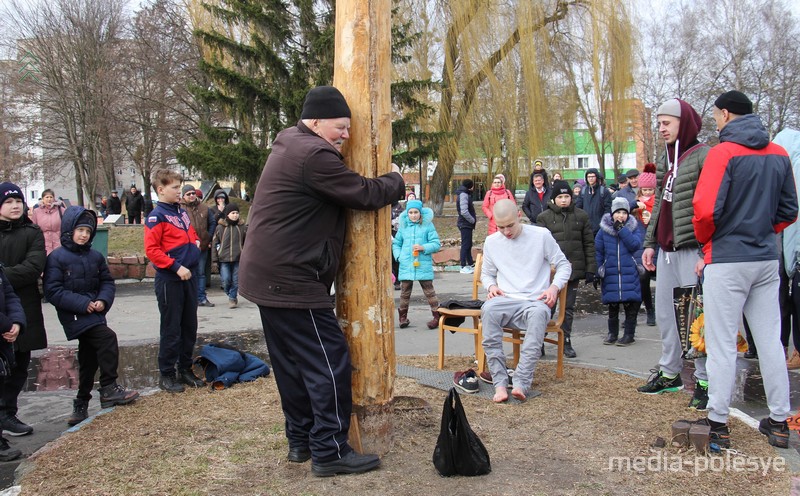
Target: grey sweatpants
530 316
728 289
675 270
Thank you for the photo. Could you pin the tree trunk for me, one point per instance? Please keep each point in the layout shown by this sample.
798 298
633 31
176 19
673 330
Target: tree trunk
365 305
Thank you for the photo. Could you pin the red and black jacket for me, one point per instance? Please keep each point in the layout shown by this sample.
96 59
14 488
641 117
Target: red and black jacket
745 195
170 241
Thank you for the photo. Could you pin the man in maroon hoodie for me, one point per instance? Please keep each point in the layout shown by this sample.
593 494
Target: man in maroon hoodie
671 230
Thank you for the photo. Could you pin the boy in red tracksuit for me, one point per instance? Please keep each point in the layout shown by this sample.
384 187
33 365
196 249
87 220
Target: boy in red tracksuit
173 247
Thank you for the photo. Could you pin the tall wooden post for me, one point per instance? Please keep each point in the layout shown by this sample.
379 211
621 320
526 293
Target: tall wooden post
365 299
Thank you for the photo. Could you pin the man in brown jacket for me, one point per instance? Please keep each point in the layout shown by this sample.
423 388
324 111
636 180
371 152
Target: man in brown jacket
204 223
288 265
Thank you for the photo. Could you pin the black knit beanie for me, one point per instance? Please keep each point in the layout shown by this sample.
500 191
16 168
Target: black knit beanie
10 190
560 188
734 102
325 102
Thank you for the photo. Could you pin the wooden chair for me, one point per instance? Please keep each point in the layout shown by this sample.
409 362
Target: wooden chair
475 315
515 336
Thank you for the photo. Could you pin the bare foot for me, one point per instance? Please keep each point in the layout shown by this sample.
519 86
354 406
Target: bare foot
500 395
518 394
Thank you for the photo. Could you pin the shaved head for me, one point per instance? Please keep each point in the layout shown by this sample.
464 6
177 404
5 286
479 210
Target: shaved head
505 208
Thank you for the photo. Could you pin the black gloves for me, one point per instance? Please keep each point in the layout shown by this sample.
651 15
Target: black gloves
618 225
589 277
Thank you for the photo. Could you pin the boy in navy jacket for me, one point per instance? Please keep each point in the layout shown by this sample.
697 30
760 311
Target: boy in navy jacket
78 283
173 247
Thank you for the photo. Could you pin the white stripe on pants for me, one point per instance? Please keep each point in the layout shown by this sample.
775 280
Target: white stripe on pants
729 289
675 270
530 316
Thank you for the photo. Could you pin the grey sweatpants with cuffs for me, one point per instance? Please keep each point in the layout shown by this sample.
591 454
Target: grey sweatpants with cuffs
530 316
675 270
729 289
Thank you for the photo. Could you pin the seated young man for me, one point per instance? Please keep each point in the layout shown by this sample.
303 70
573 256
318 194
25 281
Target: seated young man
520 294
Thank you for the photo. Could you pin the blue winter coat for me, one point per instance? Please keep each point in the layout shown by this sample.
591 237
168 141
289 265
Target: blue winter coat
74 276
11 312
410 234
617 255
225 366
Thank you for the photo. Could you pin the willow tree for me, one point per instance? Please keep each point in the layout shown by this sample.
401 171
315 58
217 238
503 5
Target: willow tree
466 67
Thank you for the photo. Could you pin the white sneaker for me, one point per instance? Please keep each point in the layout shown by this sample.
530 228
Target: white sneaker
467 270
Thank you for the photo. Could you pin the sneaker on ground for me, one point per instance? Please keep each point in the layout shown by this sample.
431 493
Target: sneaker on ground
114 394
658 383
169 384
6 452
14 426
466 381
467 269
699 400
205 303
721 435
776 432
351 463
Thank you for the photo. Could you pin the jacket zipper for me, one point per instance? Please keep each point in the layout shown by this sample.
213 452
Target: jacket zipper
619 267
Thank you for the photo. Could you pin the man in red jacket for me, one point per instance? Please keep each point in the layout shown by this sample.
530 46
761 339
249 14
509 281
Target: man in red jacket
746 194
289 261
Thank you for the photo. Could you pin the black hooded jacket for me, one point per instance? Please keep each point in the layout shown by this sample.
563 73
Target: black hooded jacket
595 201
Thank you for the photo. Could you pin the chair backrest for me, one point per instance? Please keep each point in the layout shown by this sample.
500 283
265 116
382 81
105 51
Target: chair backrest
562 301
476 276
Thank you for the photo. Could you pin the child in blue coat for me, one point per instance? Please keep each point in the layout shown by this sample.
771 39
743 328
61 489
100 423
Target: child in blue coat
78 283
413 246
618 247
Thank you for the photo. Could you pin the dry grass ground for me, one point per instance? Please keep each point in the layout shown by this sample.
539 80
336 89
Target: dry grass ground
232 442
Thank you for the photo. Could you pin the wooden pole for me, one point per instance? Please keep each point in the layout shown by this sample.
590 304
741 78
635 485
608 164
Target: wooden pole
364 294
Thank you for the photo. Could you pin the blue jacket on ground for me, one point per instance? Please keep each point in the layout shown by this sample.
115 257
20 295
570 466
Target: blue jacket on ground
75 275
416 233
225 366
617 254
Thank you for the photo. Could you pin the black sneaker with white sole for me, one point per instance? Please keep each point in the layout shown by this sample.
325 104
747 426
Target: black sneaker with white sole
14 426
466 381
7 453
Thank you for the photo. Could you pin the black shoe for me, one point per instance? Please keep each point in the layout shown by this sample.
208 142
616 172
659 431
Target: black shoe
720 435
466 381
170 385
651 317
658 383
299 455
777 432
699 400
186 376
351 463
14 426
569 351
80 412
625 340
6 453
610 339
205 303
114 394
750 354
542 349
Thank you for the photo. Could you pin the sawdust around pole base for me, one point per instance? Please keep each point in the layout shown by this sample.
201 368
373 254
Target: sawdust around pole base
232 442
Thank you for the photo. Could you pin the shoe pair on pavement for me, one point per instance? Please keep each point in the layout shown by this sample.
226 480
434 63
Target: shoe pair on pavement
171 384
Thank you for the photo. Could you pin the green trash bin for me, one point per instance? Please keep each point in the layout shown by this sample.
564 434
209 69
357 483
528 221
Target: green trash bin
100 242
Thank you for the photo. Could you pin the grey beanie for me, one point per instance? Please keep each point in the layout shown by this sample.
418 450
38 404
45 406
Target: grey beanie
670 107
620 203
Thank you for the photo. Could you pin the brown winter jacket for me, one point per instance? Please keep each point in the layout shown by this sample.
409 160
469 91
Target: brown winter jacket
202 219
296 223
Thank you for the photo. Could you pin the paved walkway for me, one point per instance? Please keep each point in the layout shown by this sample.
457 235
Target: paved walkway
135 318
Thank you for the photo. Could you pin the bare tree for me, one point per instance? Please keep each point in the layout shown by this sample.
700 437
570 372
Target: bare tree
76 43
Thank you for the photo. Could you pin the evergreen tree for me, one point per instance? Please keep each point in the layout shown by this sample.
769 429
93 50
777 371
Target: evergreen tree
261 57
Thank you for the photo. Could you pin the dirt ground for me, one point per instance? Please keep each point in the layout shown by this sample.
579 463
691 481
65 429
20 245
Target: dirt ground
232 442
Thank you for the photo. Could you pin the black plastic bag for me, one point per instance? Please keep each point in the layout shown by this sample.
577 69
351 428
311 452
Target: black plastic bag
458 450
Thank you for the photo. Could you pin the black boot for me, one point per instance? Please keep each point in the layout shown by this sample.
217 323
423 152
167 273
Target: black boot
80 412
630 329
186 376
569 351
114 394
651 317
613 331
170 385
